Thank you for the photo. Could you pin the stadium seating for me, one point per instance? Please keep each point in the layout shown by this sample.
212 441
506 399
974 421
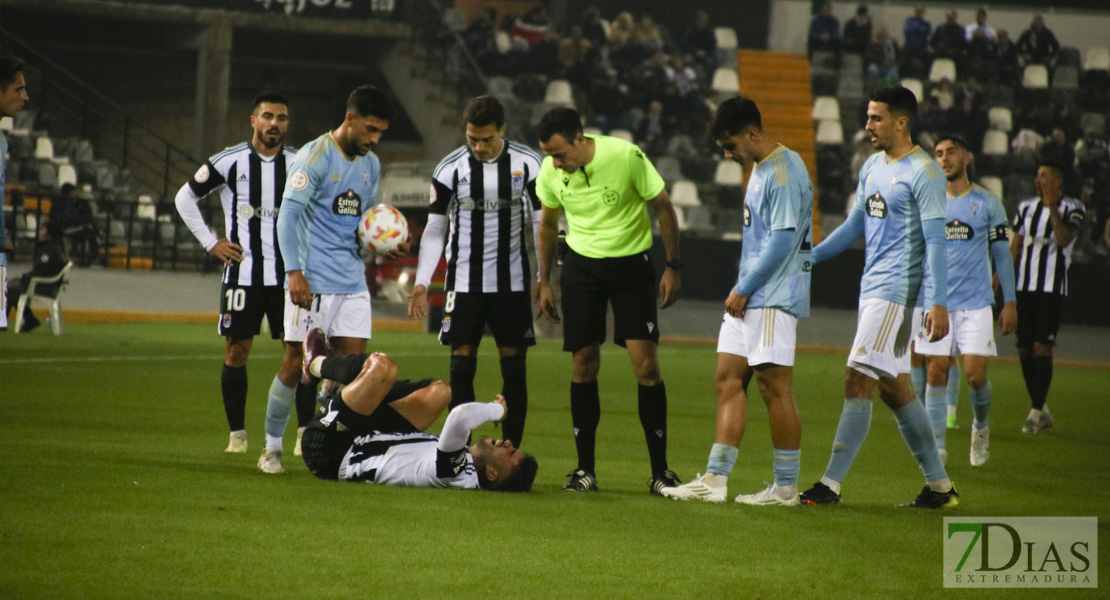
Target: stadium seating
830 132
1098 59
37 290
1035 77
1001 118
559 93
726 82
826 108
943 68
668 167
44 148
1093 120
591 131
726 46
685 193
67 173
996 142
915 86
993 184
6 124
622 134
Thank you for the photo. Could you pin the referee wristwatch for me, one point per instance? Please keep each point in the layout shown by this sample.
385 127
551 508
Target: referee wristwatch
675 264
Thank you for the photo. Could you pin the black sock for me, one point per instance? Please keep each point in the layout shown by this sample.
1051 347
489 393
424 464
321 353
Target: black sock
1044 380
1029 374
343 369
653 418
462 379
585 414
233 384
514 387
306 403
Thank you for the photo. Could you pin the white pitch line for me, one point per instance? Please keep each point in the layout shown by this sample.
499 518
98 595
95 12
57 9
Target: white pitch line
25 361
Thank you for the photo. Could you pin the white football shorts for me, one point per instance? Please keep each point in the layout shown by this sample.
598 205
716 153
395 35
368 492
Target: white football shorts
763 336
339 315
884 330
969 332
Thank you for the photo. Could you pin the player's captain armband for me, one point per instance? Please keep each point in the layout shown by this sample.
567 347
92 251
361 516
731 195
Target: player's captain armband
450 464
298 180
202 174
1000 233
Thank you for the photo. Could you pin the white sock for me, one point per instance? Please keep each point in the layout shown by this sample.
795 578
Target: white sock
715 480
786 492
242 431
832 485
941 485
273 444
314 366
1034 415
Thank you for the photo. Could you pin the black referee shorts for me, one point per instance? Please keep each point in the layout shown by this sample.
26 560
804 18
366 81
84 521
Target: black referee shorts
509 315
243 306
1038 318
324 445
589 284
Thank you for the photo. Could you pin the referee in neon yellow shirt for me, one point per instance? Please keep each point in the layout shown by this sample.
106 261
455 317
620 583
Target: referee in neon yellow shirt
604 185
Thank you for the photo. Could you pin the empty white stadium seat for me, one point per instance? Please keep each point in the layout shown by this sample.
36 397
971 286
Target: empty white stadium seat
685 193
67 174
591 131
6 124
503 41
943 68
622 134
830 132
729 173
994 184
669 168
1001 118
826 108
1035 77
559 92
1098 59
915 86
44 148
996 143
726 81
726 38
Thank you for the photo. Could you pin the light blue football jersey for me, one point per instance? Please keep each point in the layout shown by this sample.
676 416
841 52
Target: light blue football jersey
780 196
336 189
975 219
3 182
895 197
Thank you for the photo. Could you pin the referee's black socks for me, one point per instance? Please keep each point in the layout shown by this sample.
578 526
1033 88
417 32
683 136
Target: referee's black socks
1042 365
585 414
305 399
462 379
514 387
233 385
653 418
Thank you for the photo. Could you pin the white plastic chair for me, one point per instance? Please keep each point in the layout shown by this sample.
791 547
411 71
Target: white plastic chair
67 174
622 134
35 290
1035 77
992 184
726 81
685 193
826 108
830 132
729 173
726 38
44 148
559 92
1098 59
1001 118
915 86
996 143
942 68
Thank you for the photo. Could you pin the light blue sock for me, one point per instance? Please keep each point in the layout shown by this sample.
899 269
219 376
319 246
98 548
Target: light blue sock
787 463
721 459
855 422
953 386
278 407
917 380
981 404
938 411
913 422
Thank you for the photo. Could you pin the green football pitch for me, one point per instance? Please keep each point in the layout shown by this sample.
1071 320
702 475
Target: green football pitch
114 484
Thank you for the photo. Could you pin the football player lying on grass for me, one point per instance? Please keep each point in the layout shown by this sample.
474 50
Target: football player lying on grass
372 430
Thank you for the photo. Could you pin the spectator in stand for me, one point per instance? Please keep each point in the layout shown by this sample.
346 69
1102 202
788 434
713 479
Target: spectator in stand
610 103
683 77
699 44
49 260
824 32
654 131
593 29
648 79
944 95
933 118
531 28
75 220
1058 148
916 30
980 54
622 53
1064 118
857 31
1038 44
1092 154
950 39
882 60
980 25
1005 64
480 41
574 52
970 120
647 36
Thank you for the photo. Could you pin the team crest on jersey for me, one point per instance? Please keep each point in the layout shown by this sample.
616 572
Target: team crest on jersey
876 206
225 321
958 231
202 174
518 180
747 216
366 178
973 206
347 204
299 180
446 324
893 181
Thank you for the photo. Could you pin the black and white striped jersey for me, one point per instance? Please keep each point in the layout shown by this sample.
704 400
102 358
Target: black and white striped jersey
487 204
1042 265
250 188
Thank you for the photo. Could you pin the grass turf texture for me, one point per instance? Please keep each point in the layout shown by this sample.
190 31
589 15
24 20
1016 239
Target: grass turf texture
114 484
